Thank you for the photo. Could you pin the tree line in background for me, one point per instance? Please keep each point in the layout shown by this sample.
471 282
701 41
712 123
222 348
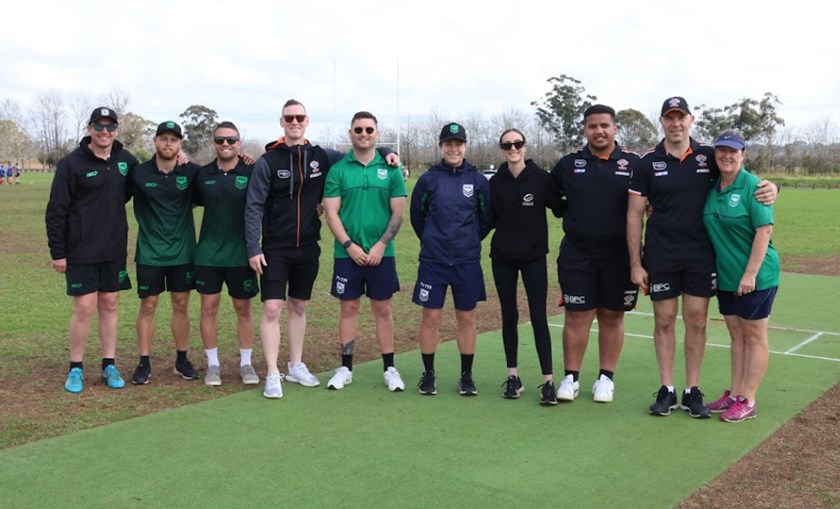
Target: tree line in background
54 123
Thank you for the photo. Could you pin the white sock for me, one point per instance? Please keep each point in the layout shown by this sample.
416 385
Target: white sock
670 388
245 356
212 356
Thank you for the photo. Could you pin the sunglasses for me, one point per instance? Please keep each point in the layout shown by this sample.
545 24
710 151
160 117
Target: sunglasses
107 127
220 140
507 145
290 118
369 130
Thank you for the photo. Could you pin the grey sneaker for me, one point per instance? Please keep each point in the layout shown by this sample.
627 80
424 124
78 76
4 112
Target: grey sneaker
300 374
249 375
213 376
273 387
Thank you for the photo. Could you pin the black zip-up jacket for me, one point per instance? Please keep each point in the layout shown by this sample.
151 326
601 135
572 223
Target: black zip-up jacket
519 216
85 215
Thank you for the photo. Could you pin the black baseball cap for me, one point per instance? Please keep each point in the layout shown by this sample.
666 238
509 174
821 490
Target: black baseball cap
453 131
103 112
675 103
169 127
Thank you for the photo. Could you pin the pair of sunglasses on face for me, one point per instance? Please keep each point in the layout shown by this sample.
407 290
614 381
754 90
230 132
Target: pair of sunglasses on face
512 144
104 127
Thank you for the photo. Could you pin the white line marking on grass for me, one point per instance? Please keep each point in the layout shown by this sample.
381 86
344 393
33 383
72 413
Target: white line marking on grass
790 352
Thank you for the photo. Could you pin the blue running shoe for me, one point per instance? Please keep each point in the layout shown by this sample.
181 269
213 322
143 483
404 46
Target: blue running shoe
75 381
111 376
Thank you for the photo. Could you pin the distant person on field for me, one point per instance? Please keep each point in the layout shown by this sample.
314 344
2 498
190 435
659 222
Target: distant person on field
364 204
741 229
221 257
674 180
165 251
593 265
282 208
87 232
520 191
451 214
17 173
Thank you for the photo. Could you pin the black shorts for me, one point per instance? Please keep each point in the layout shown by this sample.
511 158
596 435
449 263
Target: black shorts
589 283
752 306
296 268
351 281
152 280
85 278
675 271
241 281
466 280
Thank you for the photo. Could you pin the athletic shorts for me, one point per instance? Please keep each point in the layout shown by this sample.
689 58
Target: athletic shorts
85 278
295 268
675 271
153 280
351 281
466 280
589 283
752 306
241 281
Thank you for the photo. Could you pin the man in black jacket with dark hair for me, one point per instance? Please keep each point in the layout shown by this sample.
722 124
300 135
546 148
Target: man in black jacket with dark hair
87 233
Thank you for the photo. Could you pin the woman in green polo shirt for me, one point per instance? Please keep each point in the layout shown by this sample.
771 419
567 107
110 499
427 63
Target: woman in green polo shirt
740 229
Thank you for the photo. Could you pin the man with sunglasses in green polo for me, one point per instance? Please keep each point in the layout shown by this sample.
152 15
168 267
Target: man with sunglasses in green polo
87 232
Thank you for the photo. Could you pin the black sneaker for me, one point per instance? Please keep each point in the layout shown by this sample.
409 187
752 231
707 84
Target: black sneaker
466 386
141 375
186 370
548 394
426 386
513 387
693 404
665 402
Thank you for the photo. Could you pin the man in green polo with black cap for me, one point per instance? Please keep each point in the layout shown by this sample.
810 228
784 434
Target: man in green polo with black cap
162 191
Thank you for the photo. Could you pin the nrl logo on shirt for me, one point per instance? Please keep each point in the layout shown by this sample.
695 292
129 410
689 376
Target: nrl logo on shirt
580 165
181 183
734 200
468 190
660 169
701 160
283 174
241 182
91 174
382 173
123 168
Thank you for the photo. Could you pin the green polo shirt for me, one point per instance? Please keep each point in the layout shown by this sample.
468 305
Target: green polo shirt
221 241
365 193
731 217
163 209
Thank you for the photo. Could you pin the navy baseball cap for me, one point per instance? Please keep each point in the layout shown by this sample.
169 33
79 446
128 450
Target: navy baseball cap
731 139
453 131
675 103
103 112
169 127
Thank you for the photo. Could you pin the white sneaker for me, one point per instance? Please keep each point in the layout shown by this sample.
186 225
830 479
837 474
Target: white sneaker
569 389
603 390
273 387
299 374
342 377
393 380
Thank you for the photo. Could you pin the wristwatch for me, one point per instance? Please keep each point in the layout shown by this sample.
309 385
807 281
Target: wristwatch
347 244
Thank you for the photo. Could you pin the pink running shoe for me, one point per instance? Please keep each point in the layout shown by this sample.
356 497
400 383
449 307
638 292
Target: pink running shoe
740 411
723 404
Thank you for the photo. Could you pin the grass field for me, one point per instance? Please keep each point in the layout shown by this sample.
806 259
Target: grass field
364 446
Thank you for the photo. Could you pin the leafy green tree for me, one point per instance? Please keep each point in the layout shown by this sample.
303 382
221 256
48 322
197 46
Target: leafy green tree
136 132
560 111
198 123
756 119
635 131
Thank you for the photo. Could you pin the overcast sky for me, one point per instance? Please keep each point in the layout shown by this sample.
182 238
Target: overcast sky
244 59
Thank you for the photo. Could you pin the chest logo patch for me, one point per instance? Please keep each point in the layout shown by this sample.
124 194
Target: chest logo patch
580 163
659 166
382 173
241 182
528 200
123 168
734 200
702 160
316 169
468 190
181 182
283 174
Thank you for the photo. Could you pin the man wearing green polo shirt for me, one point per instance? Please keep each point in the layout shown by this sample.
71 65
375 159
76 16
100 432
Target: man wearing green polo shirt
221 257
364 204
162 191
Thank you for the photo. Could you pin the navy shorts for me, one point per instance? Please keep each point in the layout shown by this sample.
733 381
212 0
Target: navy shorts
589 283
752 306
241 281
85 278
295 268
466 280
351 281
675 271
152 280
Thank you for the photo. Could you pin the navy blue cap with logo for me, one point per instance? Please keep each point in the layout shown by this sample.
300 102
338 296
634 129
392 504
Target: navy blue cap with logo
453 131
675 103
102 112
731 139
